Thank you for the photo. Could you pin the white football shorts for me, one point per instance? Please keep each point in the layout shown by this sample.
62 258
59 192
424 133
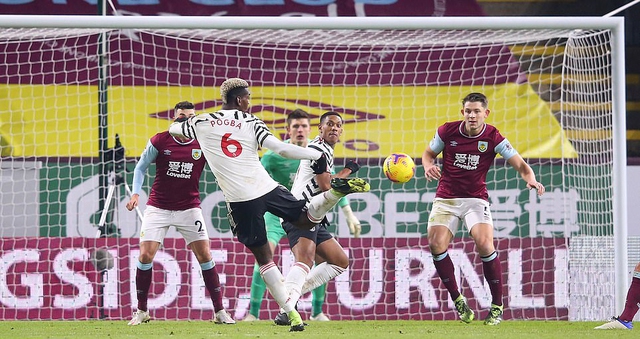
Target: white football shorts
449 213
156 223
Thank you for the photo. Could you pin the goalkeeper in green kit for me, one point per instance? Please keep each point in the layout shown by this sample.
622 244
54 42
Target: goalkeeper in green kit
283 171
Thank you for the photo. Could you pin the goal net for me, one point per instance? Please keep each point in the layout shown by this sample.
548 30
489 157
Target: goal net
66 93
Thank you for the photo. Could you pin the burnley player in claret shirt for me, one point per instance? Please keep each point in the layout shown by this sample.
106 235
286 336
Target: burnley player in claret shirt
174 201
468 148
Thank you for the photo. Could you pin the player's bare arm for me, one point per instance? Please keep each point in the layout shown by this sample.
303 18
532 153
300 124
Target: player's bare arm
148 156
345 172
324 181
290 151
526 172
431 170
350 168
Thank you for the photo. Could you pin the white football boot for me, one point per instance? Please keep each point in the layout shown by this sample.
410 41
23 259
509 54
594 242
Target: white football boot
139 317
223 317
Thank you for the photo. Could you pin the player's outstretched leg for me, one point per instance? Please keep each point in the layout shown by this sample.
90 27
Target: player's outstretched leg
346 186
322 203
616 324
495 315
464 312
140 317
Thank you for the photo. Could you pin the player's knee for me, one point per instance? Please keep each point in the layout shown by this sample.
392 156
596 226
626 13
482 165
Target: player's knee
145 257
262 253
306 258
201 250
342 263
482 234
438 243
485 246
482 239
439 238
203 257
437 248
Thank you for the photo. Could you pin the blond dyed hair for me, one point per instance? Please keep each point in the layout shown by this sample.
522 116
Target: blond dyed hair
231 84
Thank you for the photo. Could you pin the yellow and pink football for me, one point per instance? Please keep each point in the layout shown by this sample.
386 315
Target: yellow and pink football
399 167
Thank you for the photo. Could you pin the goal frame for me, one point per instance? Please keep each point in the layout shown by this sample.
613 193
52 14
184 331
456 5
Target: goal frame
614 24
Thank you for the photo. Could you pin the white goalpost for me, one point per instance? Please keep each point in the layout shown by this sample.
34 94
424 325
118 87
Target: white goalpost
70 84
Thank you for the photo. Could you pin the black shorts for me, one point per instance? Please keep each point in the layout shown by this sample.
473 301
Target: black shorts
318 234
247 217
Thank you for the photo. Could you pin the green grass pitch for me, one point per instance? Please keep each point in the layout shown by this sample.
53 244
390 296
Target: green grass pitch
325 330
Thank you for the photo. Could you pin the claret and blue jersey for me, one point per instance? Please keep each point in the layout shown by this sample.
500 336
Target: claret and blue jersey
467 159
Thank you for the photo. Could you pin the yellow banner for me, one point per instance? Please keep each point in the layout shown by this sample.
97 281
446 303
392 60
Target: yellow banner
62 121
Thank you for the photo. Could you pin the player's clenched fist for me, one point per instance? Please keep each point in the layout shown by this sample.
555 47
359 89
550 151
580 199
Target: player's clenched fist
133 203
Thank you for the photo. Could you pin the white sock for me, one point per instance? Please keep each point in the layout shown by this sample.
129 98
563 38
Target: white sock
275 284
295 279
321 204
320 275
